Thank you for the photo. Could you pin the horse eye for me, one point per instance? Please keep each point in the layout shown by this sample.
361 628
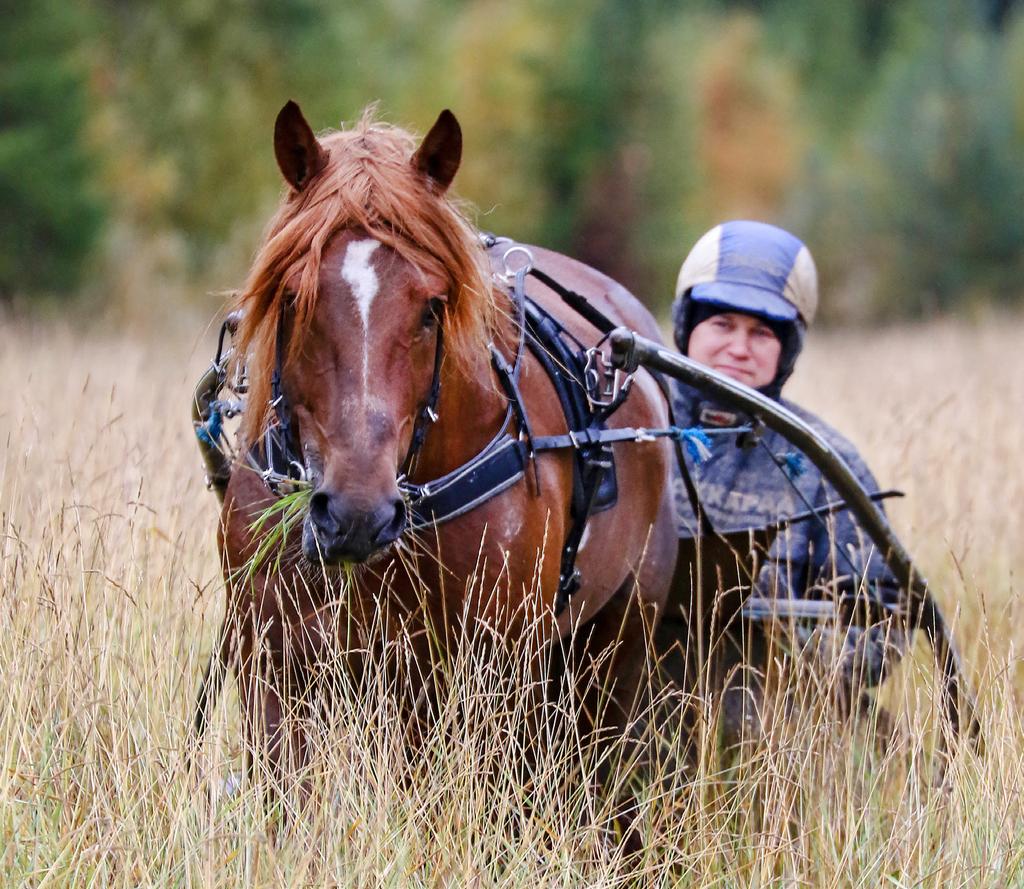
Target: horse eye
432 313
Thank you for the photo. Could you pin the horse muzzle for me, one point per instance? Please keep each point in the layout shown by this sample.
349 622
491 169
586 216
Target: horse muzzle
336 530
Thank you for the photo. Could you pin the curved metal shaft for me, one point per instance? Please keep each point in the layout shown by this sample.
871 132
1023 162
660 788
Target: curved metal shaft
630 350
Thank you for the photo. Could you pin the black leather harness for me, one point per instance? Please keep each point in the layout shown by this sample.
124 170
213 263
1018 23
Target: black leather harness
506 458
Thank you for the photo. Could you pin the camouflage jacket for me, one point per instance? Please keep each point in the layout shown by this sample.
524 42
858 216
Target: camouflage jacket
744 488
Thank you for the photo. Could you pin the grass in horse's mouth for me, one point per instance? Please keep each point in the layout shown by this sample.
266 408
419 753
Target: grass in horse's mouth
289 512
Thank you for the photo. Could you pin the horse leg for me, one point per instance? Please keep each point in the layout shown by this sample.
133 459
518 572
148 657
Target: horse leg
608 665
276 745
710 661
209 690
615 654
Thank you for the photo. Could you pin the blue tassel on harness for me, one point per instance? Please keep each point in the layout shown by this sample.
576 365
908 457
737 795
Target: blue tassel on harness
793 463
209 432
697 443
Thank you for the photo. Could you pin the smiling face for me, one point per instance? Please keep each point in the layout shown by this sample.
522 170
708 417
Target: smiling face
740 346
356 388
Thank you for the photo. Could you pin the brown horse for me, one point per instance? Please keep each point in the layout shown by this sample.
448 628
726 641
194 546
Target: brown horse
365 267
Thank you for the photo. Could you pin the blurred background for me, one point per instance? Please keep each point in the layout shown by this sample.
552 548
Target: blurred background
136 166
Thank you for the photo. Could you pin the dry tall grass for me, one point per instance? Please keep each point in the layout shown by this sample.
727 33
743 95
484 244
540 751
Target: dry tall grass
111 593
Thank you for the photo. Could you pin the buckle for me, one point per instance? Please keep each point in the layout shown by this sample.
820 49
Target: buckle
605 385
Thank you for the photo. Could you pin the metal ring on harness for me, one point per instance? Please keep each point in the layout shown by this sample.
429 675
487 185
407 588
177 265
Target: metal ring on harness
508 273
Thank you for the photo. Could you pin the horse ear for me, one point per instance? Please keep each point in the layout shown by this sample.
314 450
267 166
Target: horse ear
298 153
439 154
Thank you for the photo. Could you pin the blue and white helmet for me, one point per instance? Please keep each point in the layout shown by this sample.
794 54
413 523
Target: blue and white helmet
754 268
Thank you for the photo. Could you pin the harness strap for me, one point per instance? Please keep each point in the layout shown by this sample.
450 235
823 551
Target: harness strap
577 301
509 380
556 360
276 386
603 323
584 439
569 574
704 525
500 465
428 415
486 475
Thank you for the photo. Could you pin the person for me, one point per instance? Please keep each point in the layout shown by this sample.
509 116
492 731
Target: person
745 296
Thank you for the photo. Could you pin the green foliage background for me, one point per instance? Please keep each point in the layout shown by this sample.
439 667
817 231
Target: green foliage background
135 138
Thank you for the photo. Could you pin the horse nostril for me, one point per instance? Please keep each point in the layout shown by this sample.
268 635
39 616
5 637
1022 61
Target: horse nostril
320 510
400 515
392 526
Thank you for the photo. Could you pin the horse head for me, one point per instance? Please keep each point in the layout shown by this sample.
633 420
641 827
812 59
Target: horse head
369 262
356 390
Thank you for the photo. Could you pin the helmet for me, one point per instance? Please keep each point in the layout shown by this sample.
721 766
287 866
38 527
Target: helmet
754 268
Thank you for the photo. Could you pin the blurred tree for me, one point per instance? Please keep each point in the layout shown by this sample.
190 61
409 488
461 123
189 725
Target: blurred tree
834 49
593 162
494 65
928 200
998 12
193 87
719 133
749 133
616 130
50 211
666 138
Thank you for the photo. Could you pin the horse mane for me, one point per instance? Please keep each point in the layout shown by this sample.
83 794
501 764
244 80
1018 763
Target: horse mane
366 182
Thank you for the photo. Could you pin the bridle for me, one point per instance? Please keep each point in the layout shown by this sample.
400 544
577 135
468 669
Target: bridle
284 467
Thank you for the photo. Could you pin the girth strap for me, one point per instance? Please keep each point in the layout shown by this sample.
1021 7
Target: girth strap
597 464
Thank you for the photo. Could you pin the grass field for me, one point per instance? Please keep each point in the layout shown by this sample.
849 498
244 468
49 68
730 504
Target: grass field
110 594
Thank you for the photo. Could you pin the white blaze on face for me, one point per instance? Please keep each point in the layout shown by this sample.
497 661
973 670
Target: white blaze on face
360 275
358 272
